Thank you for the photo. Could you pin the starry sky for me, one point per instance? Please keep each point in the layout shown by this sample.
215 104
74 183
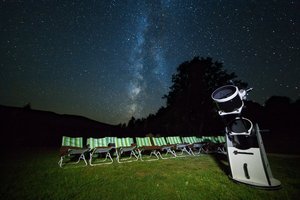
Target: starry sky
110 60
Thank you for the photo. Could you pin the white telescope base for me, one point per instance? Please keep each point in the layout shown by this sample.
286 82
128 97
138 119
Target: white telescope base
251 166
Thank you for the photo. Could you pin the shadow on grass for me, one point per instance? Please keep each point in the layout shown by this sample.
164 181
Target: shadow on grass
222 162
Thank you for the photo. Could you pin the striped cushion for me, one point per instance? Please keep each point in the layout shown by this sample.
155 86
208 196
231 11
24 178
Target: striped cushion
97 142
199 139
189 140
214 139
206 138
142 142
159 141
221 139
123 142
174 140
110 140
73 142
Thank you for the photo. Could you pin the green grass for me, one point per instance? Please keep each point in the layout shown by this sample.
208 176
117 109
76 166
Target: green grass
36 175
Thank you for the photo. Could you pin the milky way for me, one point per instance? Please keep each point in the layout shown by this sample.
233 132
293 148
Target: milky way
110 60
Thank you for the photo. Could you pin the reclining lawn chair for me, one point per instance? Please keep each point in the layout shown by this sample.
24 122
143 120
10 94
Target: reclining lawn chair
208 144
72 148
99 146
221 144
175 140
194 144
125 145
161 142
144 144
111 141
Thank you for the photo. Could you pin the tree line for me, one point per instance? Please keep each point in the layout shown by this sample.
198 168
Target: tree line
190 109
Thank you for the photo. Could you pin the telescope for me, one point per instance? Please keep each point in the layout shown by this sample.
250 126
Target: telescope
246 154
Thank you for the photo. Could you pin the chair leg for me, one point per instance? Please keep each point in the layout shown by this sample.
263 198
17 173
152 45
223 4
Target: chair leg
155 153
191 151
133 154
140 154
60 161
128 159
185 150
102 162
90 161
172 152
83 157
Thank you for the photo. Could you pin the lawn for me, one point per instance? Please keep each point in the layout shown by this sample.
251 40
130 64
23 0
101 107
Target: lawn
34 174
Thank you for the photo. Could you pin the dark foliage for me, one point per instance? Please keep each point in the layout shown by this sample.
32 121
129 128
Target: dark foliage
189 108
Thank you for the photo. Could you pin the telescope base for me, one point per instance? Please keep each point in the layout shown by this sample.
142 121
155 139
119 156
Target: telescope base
275 184
250 166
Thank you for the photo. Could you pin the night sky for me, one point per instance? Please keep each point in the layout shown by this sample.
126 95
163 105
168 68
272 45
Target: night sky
110 60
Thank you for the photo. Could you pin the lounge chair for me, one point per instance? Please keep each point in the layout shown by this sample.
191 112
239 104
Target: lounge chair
175 140
161 142
72 148
125 145
111 141
194 144
98 147
144 144
221 144
208 144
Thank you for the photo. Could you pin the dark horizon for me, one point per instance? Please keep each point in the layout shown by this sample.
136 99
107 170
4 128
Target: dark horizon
30 107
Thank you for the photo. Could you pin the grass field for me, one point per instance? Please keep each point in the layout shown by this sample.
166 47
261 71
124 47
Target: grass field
36 175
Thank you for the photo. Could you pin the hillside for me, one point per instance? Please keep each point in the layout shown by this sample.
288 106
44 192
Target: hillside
27 127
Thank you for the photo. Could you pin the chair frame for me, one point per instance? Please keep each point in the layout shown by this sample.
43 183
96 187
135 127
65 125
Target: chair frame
123 149
179 146
101 150
165 147
148 147
68 151
100 146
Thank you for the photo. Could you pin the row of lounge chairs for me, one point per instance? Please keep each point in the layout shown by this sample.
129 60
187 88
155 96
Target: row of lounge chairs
101 150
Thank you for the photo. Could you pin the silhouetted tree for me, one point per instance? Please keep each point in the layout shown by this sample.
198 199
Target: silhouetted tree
27 106
189 107
131 123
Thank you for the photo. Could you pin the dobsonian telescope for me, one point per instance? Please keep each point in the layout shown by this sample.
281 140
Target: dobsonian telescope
245 150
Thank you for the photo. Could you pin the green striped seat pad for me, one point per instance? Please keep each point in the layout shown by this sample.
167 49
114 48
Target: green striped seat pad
159 141
73 142
141 142
206 139
97 142
221 139
174 140
189 140
123 142
214 139
110 140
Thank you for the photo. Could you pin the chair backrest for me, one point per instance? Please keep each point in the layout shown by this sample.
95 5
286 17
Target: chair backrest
72 142
214 139
159 141
199 139
206 139
143 141
123 142
222 139
110 140
174 140
189 140
97 142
